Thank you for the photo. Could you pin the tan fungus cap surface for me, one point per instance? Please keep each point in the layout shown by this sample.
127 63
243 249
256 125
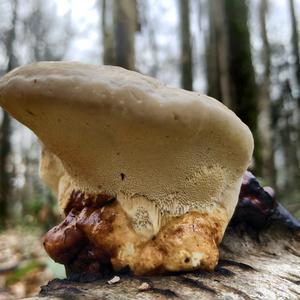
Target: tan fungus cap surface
161 151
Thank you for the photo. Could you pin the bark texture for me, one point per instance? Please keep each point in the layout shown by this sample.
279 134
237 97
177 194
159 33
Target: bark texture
248 269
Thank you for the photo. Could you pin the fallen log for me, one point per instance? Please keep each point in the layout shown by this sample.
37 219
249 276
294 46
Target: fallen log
267 267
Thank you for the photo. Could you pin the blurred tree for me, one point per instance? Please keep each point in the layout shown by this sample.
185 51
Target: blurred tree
118 32
125 26
148 26
186 60
45 35
107 31
5 129
295 43
285 112
296 67
243 89
265 119
287 132
5 175
217 69
230 72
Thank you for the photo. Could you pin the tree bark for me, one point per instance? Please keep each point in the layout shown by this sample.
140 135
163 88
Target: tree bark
287 129
243 89
265 118
119 24
125 26
5 178
248 269
217 54
296 53
186 60
107 32
295 43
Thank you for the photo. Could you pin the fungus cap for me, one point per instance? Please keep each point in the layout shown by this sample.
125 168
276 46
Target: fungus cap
160 151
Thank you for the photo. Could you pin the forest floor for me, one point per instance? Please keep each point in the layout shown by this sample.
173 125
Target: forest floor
24 265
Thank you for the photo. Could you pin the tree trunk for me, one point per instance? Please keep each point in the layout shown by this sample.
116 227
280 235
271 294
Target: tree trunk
217 54
186 60
243 88
287 130
119 24
264 118
5 178
125 26
248 269
296 53
107 32
295 42
5 129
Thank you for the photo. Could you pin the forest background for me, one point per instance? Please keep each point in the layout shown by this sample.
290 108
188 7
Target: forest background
244 53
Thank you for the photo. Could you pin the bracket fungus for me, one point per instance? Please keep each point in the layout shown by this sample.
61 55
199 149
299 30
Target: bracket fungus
146 175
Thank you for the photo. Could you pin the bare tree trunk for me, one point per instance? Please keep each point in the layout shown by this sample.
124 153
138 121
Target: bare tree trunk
5 178
243 87
107 31
186 61
119 24
295 42
5 129
296 53
264 121
217 54
286 131
125 26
